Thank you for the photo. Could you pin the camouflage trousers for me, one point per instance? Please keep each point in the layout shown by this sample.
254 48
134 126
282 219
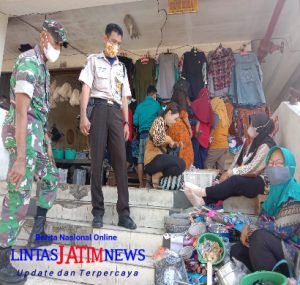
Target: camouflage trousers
16 202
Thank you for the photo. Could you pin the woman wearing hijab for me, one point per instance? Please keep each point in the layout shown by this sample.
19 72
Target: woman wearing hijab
245 179
203 113
276 236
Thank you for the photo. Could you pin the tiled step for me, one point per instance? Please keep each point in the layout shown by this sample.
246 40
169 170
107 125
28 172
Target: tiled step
48 281
241 204
144 216
137 196
146 238
144 270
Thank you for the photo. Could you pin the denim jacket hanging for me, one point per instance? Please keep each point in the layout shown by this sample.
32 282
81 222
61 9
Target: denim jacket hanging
246 88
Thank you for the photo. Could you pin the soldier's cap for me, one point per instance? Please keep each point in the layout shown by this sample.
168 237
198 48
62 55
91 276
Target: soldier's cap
57 31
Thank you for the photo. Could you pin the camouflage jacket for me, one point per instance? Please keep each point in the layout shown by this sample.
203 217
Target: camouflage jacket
30 76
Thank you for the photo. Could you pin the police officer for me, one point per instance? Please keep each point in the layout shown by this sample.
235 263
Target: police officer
105 91
30 152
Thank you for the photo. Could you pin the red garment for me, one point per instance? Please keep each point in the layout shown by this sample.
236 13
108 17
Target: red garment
203 139
202 109
204 114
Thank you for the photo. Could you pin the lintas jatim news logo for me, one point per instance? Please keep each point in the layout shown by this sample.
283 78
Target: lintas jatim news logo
77 254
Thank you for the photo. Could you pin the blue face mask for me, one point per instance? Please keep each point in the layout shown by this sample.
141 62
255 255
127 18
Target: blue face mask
278 175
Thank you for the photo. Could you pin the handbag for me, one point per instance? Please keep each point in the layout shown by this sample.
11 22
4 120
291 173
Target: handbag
172 182
173 151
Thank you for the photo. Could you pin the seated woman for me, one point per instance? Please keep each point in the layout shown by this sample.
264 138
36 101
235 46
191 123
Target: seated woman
244 179
277 233
158 163
181 131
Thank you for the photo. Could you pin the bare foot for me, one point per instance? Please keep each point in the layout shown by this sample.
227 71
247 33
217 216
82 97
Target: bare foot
190 186
194 197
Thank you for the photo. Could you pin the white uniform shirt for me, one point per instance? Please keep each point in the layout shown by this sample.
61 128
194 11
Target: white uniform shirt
109 82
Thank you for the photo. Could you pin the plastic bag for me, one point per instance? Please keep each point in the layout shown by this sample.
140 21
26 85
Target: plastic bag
194 196
169 268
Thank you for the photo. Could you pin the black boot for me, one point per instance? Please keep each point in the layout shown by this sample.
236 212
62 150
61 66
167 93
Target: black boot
38 229
97 222
8 274
127 222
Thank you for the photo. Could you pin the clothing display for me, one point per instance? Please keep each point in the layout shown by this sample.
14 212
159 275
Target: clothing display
220 62
246 88
194 70
144 75
129 67
167 69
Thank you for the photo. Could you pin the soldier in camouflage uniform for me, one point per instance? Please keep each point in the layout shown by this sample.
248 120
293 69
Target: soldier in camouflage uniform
30 154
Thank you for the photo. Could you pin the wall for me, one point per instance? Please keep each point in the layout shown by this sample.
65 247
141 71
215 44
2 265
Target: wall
288 135
64 116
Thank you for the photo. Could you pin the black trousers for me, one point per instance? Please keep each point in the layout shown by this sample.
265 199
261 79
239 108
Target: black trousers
236 185
169 165
264 251
107 130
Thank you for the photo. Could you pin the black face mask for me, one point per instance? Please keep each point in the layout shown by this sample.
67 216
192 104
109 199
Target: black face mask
278 175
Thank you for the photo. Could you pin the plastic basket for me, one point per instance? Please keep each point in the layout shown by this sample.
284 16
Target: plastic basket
79 176
274 277
58 153
70 154
200 177
211 237
62 175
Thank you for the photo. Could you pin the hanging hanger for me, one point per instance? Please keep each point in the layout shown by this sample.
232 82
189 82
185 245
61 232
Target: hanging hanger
243 51
168 51
194 50
219 48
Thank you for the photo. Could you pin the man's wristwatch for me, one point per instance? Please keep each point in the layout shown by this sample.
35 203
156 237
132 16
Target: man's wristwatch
126 123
